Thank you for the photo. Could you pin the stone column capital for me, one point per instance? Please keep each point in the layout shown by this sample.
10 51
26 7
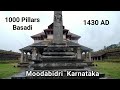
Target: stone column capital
34 49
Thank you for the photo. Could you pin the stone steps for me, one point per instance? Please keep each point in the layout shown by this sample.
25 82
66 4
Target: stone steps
59 65
58 53
58 57
58 60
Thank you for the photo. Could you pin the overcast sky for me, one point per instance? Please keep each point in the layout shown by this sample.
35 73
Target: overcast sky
92 36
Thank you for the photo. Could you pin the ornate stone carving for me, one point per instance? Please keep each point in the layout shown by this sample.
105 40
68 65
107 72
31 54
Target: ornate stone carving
58 17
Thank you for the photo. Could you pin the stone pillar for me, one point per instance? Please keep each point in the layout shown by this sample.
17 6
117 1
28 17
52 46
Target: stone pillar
58 27
34 54
85 55
90 56
38 55
100 57
22 57
97 58
25 59
30 55
79 56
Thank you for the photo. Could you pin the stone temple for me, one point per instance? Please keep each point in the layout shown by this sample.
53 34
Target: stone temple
56 48
55 43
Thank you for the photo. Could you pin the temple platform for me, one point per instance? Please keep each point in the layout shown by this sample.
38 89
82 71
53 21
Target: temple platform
58 65
25 64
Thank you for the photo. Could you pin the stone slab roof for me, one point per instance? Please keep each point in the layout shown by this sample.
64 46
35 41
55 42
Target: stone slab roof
42 43
97 54
46 43
84 48
73 35
38 35
69 33
70 43
27 48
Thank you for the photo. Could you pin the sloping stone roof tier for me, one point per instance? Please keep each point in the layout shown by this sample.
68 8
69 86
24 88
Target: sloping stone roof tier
73 35
27 48
38 35
46 43
84 48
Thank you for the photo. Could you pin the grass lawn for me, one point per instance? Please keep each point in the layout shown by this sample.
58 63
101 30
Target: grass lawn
8 69
109 68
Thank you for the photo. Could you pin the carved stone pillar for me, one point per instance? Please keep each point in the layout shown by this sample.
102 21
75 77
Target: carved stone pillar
22 57
30 55
101 58
58 27
25 59
85 55
79 56
38 55
90 56
34 54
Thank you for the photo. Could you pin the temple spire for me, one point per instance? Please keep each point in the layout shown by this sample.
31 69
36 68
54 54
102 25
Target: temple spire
57 27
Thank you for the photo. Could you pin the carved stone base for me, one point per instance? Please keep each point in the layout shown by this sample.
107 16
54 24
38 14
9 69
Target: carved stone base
89 63
59 65
25 64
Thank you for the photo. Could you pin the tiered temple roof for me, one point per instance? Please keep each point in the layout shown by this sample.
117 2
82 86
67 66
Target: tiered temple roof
46 43
50 28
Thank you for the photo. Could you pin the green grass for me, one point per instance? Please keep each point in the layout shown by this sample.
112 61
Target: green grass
109 68
8 69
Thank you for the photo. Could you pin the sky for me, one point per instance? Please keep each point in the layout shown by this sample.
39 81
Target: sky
92 36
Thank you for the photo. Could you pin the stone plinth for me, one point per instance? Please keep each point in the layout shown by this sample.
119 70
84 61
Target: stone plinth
25 64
